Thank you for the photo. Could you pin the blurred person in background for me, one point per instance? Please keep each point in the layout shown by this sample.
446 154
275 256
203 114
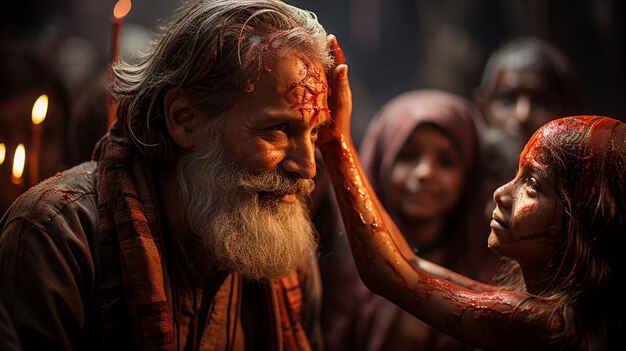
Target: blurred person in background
525 84
423 154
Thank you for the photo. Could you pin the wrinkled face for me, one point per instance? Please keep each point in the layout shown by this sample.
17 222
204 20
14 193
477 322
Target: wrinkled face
427 176
522 102
275 125
526 223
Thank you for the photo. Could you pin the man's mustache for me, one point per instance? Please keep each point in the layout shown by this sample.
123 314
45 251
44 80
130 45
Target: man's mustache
276 183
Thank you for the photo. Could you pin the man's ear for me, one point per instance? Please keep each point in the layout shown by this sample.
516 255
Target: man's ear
180 118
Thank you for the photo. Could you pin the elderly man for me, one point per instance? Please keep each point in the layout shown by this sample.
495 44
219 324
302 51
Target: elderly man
190 230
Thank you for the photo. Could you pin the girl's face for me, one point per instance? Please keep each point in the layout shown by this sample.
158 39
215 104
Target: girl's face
526 223
427 176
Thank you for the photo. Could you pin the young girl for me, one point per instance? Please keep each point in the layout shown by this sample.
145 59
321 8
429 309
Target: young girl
561 220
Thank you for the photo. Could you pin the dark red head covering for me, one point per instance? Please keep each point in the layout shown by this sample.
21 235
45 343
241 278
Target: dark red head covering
462 122
397 120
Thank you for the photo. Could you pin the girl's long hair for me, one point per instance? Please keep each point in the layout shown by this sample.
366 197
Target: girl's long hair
586 159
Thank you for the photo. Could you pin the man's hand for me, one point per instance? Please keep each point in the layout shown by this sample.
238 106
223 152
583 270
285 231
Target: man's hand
339 98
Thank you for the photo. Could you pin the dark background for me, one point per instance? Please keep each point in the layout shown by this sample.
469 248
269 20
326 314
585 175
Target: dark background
391 46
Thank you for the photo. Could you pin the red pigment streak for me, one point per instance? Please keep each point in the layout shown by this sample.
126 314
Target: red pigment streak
533 149
266 58
397 273
222 28
312 86
65 195
599 137
492 306
525 210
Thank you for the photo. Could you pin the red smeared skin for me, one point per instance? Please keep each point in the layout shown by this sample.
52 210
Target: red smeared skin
489 320
525 210
266 58
307 92
437 301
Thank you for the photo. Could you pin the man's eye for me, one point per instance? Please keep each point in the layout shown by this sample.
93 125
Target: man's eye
506 99
315 130
277 128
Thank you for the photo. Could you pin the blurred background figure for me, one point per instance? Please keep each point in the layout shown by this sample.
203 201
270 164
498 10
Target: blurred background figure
526 83
25 75
423 155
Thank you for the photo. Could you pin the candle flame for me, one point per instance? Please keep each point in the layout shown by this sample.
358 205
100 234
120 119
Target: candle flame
3 153
18 161
122 8
40 108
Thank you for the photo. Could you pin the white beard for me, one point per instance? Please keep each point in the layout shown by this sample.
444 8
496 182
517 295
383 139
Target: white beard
239 230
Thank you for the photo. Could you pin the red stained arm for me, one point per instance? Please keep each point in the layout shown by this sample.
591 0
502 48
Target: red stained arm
485 318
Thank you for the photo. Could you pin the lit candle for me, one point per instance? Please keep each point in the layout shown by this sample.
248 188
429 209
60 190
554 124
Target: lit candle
121 9
18 165
3 153
40 108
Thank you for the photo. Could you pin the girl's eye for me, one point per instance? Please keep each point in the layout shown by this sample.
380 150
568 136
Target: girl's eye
448 161
533 183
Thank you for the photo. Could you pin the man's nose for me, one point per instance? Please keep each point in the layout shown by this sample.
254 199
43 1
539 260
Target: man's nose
300 159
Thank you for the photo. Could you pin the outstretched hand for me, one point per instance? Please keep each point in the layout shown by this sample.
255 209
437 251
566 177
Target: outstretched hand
339 97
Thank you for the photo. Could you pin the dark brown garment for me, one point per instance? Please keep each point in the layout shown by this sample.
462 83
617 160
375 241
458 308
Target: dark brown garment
73 278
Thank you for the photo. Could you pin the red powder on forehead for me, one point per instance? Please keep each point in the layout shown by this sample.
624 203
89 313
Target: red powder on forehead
267 56
307 93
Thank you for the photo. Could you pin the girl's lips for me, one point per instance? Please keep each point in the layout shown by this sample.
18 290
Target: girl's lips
495 225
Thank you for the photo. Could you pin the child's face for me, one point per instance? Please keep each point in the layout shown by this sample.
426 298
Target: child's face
427 176
527 220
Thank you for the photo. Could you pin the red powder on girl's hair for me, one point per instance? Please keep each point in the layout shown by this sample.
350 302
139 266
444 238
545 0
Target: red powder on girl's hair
307 93
551 134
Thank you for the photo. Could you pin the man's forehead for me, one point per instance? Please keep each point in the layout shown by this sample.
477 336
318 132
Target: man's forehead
296 71
302 84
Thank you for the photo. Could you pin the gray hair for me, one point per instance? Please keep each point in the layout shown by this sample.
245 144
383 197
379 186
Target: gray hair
214 51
